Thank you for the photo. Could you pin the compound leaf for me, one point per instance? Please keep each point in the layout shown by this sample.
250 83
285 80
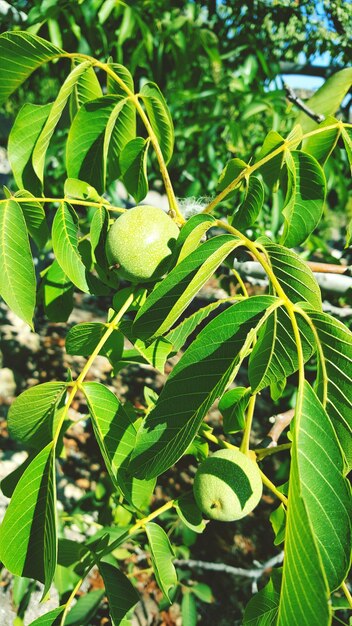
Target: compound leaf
201 375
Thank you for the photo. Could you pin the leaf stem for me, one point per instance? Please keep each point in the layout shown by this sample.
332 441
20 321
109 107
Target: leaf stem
347 593
142 522
267 482
110 327
68 603
69 201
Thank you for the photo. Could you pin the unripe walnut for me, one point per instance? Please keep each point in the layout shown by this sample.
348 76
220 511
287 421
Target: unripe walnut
140 243
227 485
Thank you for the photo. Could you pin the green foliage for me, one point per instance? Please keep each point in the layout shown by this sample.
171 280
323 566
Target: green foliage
272 337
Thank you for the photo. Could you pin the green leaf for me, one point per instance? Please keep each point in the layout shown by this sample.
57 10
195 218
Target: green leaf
293 274
274 356
321 145
203 592
65 244
28 543
230 172
116 432
86 88
21 53
178 335
201 375
278 522
190 235
335 376
121 594
171 297
327 99
17 277
162 556
324 490
347 140
262 609
31 418
189 513
79 189
305 197
133 164
85 608
318 531
249 210
159 117
83 338
124 74
34 215
23 137
232 406
53 618
188 609
42 143
270 170
97 136
57 292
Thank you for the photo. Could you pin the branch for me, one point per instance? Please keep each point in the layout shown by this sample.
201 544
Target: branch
254 573
292 97
282 420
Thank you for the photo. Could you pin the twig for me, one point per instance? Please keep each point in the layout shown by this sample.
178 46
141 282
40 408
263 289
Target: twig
282 420
292 97
254 573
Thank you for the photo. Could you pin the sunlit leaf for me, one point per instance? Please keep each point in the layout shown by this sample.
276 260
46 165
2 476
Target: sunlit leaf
248 211
162 556
133 164
97 136
160 118
170 298
22 139
305 197
202 374
293 274
17 277
116 433
21 53
28 543
65 244
42 143
31 417
327 99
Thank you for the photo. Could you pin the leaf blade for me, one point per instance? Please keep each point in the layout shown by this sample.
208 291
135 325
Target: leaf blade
17 277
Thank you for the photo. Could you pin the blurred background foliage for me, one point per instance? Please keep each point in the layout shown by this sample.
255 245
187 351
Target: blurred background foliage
221 66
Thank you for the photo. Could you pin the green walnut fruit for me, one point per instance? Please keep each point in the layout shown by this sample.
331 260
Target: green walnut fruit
227 486
140 243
